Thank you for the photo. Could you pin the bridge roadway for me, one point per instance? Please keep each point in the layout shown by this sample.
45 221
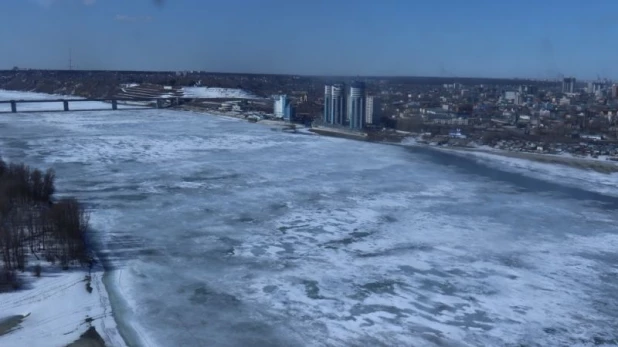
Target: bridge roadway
157 102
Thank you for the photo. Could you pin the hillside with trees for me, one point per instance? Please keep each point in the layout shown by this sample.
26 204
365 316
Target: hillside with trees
34 228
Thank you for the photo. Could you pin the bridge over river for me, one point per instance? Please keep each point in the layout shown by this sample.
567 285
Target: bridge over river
126 103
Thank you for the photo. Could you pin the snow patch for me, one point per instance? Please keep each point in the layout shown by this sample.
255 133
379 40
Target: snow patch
57 306
206 92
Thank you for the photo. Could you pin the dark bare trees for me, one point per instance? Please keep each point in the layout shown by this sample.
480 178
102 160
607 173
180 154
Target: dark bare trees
32 225
69 224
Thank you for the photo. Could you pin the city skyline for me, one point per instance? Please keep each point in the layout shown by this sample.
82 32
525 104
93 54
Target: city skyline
391 38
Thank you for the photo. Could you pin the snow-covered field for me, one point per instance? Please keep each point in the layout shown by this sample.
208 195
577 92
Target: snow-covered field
206 92
226 233
189 92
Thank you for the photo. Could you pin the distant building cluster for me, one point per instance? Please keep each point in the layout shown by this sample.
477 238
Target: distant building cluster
348 106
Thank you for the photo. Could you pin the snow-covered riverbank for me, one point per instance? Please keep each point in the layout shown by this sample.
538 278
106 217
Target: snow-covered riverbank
58 309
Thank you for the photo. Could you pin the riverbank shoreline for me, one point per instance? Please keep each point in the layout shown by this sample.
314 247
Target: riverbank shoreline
131 333
605 167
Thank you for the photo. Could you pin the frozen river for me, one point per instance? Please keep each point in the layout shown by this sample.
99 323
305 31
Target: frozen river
225 233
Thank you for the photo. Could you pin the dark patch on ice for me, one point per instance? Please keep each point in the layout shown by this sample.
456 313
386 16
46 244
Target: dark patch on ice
360 309
601 341
312 290
337 243
381 287
102 187
354 237
207 296
245 218
443 287
230 241
388 219
360 234
277 207
17 143
438 340
595 341
367 322
410 270
540 288
130 197
415 247
609 277
380 339
610 258
255 334
150 252
520 309
457 272
217 252
288 248
199 178
478 319
121 247
313 197
258 251
554 331
513 261
269 289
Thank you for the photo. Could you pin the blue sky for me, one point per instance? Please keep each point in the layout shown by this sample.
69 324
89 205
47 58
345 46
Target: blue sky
493 38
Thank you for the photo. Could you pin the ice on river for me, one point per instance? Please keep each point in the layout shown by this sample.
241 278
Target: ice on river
226 233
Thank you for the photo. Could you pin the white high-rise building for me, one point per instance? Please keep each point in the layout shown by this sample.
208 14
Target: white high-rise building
334 104
356 105
279 108
369 116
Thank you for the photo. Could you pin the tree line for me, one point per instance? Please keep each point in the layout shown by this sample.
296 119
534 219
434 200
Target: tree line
35 227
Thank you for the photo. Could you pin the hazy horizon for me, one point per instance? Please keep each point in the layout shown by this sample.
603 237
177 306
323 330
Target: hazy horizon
392 38
292 74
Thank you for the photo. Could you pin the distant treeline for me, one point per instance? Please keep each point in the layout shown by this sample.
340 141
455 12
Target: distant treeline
33 227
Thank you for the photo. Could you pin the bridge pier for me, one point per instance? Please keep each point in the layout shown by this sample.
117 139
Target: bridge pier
158 103
66 104
13 106
114 105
